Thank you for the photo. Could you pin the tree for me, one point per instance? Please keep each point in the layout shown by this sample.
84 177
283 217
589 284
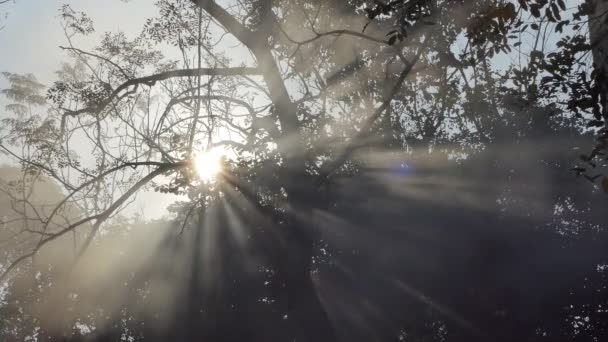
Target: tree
129 116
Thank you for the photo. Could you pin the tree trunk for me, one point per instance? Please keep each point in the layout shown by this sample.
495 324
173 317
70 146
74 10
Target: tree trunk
305 311
307 316
308 319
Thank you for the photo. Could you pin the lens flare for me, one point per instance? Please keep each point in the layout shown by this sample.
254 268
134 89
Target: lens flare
208 165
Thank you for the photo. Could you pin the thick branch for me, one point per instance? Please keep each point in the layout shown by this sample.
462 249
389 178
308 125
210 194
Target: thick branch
99 178
333 33
79 51
151 80
122 199
175 101
258 44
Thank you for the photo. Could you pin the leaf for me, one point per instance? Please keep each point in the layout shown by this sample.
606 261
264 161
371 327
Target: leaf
391 40
556 11
578 169
535 10
391 32
511 13
549 14
523 4
536 55
595 123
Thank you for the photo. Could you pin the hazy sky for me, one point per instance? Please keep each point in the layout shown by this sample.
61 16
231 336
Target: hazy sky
30 42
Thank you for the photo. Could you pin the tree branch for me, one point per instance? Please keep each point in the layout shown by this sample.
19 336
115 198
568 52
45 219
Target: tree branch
99 218
151 80
258 44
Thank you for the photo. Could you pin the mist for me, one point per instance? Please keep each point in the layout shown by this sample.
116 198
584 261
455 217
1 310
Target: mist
305 171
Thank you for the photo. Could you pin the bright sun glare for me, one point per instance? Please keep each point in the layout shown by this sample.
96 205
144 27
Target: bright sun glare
208 164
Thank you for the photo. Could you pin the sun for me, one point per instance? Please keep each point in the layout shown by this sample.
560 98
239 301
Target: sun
208 164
